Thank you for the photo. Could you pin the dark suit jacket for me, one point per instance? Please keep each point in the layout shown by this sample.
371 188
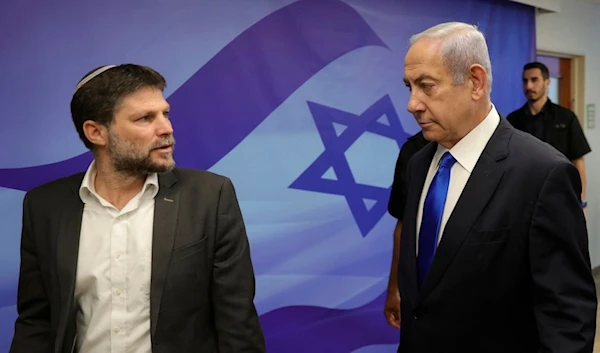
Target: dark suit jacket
202 286
512 270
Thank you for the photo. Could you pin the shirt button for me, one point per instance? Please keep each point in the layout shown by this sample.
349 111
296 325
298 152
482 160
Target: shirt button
117 329
118 256
118 292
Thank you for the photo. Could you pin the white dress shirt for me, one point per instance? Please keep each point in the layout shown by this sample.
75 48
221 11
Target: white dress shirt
112 289
466 152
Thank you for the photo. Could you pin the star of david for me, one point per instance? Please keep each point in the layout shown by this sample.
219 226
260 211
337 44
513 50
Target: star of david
368 203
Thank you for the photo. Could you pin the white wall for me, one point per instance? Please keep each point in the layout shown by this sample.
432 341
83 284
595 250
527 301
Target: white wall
575 29
548 5
553 89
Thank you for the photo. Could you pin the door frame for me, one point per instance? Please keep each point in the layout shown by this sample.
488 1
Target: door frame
577 82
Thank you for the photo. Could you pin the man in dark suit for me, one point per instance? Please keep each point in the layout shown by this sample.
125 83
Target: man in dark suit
134 255
494 248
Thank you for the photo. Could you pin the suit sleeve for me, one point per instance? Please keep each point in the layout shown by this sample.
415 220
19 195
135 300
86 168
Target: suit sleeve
32 327
564 294
233 287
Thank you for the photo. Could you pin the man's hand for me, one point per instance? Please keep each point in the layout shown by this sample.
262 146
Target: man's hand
391 309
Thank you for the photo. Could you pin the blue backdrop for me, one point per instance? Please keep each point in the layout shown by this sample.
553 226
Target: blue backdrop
301 103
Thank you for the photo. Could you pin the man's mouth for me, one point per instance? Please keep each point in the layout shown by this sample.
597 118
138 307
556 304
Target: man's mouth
165 148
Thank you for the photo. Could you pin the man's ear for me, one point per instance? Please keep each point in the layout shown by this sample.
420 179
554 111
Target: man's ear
478 77
95 132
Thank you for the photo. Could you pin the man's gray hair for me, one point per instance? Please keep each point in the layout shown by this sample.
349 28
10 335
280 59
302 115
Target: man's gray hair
463 45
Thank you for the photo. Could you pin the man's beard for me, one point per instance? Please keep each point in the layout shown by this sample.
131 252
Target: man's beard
536 97
130 159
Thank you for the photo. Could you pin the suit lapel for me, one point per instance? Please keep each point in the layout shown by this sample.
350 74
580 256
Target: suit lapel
69 230
409 229
166 208
477 192
67 249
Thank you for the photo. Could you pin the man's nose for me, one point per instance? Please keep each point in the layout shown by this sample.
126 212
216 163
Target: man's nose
414 105
165 127
528 85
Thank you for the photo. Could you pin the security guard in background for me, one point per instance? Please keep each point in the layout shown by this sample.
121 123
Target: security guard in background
556 125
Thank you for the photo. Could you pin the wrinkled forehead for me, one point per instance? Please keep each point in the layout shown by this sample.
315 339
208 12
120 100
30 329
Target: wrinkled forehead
424 58
532 73
145 101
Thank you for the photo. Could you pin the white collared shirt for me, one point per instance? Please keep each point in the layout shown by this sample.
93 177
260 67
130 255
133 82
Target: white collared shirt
112 290
466 152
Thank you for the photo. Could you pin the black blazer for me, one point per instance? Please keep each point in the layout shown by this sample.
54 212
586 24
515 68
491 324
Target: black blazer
202 285
512 270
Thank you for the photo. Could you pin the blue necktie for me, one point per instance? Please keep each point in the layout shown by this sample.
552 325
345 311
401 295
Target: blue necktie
433 209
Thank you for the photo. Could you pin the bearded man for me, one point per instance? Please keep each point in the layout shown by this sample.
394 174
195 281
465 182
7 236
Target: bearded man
133 255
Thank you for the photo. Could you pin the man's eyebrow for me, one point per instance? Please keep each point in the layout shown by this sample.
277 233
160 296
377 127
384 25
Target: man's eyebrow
423 77
149 112
420 78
